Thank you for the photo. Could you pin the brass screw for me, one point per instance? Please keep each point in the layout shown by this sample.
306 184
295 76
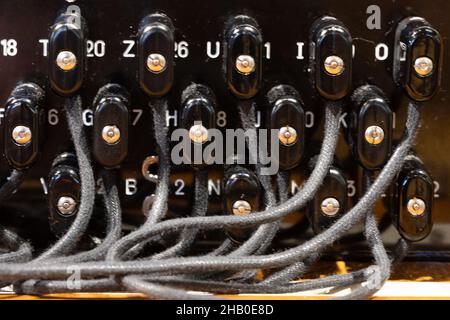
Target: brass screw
287 135
423 66
416 206
241 207
156 63
22 135
66 60
245 64
374 135
330 207
198 133
111 134
66 205
334 65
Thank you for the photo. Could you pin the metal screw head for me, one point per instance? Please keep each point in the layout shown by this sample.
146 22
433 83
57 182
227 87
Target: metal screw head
330 206
66 60
66 205
334 65
241 207
374 135
416 206
111 134
287 135
156 62
198 133
423 66
245 64
22 135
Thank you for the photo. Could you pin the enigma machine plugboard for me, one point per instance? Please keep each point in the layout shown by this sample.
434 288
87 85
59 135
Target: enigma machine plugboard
168 147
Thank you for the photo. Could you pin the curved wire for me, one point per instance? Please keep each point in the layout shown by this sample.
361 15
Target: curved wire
142 273
69 241
159 205
215 222
154 290
21 249
188 236
114 224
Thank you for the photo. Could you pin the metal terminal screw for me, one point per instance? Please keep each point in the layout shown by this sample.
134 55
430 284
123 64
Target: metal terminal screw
423 66
245 64
241 207
330 206
66 205
374 135
156 63
198 133
334 65
66 60
416 207
22 135
287 135
111 134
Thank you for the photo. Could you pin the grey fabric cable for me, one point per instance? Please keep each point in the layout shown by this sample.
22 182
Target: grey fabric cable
329 141
306 193
113 220
161 132
21 251
380 271
69 241
187 237
230 263
264 235
271 229
158 210
293 203
42 287
333 281
291 272
113 233
339 281
56 253
165 289
222 287
254 243
154 290
225 247
297 269
201 264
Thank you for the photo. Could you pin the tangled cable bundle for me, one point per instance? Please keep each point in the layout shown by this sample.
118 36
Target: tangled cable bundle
119 262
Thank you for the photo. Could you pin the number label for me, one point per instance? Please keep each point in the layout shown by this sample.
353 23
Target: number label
181 50
437 187
96 48
9 47
53 117
179 183
351 188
